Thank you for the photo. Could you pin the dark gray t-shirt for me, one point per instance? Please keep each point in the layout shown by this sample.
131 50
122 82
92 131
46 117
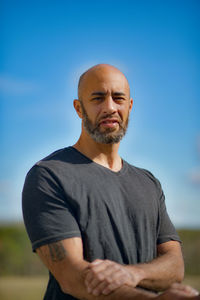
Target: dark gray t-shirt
121 216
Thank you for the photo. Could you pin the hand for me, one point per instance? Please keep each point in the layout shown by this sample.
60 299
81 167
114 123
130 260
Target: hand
104 276
179 292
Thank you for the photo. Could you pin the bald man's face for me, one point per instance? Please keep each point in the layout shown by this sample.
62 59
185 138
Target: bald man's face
105 104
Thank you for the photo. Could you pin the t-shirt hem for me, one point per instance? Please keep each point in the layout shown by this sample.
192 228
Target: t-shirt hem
54 238
165 239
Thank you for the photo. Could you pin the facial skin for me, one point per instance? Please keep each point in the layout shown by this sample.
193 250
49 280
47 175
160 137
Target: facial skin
104 104
107 136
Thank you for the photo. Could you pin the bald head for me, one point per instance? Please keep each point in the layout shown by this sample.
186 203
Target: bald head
100 73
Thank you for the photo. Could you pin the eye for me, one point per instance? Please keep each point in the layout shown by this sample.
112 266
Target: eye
119 99
97 98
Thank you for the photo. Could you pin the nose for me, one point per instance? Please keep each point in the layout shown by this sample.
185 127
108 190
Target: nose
109 105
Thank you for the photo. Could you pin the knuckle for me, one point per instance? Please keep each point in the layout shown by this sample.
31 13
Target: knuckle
113 266
116 267
109 280
97 276
119 281
108 262
97 260
94 272
112 287
100 276
108 290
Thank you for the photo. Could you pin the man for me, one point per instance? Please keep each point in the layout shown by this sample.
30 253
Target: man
99 224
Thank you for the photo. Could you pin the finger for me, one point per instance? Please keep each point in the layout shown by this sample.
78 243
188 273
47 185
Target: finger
114 272
111 287
88 278
106 288
185 288
118 274
116 282
93 270
95 279
106 268
93 285
99 270
102 277
99 289
109 273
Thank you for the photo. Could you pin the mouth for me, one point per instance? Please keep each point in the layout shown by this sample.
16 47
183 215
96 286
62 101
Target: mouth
109 123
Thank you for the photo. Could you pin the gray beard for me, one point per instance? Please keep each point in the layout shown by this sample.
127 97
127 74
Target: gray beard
106 137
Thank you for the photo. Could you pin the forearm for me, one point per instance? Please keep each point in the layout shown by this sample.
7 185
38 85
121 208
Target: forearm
65 261
129 293
70 271
78 290
160 273
123 292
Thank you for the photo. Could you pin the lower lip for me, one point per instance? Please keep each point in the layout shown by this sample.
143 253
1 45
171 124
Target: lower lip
109 124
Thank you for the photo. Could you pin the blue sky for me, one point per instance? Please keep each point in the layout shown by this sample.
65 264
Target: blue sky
46 45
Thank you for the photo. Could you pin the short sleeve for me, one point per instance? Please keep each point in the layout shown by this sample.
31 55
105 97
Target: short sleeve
167 231
47 214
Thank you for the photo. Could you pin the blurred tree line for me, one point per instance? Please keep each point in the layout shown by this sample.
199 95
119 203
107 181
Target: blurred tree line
17 258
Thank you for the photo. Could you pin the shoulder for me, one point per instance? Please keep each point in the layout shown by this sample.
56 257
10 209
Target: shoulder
144 175
57 160
52 165
64 155
63 166
140 171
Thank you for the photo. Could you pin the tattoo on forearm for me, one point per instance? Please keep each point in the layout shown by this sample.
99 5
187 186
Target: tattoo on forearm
57 251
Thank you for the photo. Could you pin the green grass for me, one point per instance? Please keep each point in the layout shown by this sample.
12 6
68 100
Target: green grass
191 250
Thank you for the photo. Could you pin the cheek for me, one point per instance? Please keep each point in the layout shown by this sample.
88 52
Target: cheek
97 111
93 113
124 112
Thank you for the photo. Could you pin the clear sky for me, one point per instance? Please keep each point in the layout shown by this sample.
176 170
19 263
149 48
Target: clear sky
46 45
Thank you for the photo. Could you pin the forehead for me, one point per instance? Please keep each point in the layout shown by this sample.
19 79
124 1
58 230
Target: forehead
104 81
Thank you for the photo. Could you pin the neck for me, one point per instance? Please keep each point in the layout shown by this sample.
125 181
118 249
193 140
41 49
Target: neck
103 154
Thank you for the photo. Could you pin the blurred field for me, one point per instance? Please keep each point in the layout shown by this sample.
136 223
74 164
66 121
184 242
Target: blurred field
22 288
193 281
23 276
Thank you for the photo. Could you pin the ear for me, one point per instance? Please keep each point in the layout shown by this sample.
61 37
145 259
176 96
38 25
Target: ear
78 108
130 104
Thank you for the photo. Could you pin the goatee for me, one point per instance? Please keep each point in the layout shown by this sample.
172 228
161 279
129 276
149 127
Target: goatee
108 136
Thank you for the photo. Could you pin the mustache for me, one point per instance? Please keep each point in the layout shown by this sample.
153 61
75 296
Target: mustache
110 116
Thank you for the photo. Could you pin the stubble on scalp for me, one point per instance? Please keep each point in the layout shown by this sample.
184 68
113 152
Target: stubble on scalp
94 69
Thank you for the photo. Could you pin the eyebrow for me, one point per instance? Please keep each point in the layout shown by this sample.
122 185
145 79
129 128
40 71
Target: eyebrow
119 94
98 93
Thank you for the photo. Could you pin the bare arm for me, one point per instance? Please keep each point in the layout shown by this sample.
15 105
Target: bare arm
105 276
65 261
180 292
166 269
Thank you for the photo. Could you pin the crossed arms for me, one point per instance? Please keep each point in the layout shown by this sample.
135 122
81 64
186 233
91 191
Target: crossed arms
104 279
